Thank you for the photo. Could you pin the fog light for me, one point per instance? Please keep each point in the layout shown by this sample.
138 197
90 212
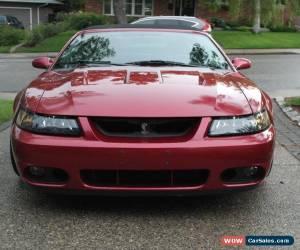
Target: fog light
46 174
37 171
252 171
243 174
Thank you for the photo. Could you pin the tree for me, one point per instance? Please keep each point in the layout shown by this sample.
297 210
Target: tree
257 13
266 13
120 11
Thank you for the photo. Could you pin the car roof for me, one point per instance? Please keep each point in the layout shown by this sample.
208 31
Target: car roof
142 26
181 18
170 17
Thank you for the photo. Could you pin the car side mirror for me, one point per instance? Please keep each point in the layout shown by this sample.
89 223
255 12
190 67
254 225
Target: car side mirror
42 62
241 63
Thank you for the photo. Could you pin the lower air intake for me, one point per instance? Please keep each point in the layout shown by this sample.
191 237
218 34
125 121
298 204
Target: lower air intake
132 178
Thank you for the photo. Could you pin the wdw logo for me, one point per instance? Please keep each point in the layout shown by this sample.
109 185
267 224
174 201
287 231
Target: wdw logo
233 240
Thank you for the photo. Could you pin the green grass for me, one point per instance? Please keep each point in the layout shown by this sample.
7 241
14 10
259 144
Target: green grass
266 40
292 101
52 44
6 110
4 49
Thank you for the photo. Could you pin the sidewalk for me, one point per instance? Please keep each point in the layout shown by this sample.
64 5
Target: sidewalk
282 93
26 55
7 95
228 51
288 134
262 51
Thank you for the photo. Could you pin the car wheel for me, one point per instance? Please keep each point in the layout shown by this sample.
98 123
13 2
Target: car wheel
13 163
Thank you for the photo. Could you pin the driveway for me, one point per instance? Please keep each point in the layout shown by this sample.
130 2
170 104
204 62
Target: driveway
32 220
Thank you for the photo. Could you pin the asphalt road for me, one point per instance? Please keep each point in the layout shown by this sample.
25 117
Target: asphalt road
16 74
275 72
272 72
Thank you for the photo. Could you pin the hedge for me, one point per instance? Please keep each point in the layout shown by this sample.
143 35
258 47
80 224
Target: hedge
65 22
11 36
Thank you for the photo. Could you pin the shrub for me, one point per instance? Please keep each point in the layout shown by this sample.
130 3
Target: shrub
49 30
243 28
11 36
81 20
65 22
283 29
42 32
219 23
233 24
131 19
33 38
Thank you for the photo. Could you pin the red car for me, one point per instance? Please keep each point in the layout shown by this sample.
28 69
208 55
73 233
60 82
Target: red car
131 109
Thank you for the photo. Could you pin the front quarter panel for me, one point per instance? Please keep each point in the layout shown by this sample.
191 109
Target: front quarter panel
257 99
30 97
17 100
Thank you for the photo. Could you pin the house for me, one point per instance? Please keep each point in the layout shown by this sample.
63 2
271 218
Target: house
138 8
30 12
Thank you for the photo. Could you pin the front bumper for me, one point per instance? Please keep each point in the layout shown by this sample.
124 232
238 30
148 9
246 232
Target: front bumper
89 152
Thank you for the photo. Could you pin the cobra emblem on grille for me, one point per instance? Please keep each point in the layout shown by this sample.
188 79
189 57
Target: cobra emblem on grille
145 129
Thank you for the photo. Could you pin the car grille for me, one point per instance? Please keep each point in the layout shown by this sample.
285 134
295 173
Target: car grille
145 127
134 178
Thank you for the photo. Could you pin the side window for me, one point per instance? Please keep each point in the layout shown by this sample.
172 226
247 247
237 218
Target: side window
168 22
185 23
8 18
16 21
2 19
11 19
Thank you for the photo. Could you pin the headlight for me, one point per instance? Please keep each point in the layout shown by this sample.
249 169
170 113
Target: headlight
240 125
50 125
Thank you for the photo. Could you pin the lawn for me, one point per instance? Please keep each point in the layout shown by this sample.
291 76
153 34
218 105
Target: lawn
4 49
228 39
52 44
267 40
292 101
6 110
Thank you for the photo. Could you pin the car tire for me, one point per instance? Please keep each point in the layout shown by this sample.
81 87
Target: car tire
13 162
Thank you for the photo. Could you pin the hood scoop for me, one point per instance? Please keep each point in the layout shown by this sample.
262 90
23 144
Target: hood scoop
186 77
142 77
165 77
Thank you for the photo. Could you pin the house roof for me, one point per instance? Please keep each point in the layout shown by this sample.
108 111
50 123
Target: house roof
33 1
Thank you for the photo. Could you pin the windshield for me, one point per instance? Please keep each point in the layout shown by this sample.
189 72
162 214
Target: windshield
132 47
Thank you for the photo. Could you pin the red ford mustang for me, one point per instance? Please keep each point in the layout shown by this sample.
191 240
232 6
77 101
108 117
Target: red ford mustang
131 109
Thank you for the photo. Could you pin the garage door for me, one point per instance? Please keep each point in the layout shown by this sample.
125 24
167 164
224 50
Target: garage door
23 14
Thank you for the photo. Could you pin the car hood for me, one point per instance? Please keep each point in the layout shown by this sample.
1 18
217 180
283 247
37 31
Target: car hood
141 92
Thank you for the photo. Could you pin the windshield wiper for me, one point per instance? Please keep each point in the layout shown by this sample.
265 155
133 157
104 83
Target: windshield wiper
88 63
161 63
